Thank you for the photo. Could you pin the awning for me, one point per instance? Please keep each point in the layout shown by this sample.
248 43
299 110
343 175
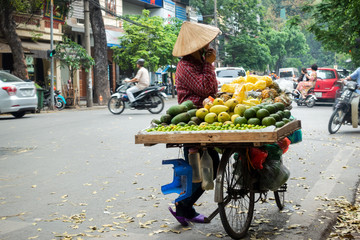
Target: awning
40 46
38 49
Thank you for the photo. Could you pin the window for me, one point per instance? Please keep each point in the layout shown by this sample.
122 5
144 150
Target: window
230 73
110 6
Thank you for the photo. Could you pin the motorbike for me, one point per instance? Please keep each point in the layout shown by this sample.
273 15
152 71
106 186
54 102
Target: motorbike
346 108
59 100
151 99
309 100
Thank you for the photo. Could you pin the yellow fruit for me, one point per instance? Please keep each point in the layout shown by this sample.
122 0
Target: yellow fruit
218 109
203 124
223 117
208 105
210 117
227 122
240 79
261 84
233 117
239 109
201 113
218 101
251 79
249 86
267 79
231 103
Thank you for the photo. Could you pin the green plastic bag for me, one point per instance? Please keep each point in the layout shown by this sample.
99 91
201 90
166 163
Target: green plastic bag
273 175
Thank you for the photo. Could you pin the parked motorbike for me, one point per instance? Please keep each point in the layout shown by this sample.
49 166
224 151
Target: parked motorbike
59 100
151 99
346 109
309 100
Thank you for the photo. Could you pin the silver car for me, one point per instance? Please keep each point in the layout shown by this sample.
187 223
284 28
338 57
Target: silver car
16 96
226 75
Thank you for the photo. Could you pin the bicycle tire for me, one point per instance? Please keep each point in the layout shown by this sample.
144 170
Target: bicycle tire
237 208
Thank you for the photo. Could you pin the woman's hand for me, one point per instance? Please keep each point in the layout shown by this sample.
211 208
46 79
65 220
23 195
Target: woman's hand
210 55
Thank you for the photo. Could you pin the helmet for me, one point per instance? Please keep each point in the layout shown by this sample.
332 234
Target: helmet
140 61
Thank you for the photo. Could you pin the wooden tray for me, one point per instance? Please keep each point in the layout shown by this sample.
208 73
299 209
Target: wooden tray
257 138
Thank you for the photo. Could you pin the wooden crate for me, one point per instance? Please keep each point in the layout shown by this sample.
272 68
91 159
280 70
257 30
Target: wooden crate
255 138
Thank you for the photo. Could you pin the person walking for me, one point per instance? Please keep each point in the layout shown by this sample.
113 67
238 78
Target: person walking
142 79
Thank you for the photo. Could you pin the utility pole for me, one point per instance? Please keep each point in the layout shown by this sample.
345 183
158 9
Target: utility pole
52 59
216 44
89 93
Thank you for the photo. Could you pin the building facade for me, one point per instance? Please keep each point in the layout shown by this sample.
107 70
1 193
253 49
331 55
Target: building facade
34 31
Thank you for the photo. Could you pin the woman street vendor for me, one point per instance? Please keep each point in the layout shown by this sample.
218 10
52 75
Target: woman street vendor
195 80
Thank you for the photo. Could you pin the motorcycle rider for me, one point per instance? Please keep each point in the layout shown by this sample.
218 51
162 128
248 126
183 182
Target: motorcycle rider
355 76
142 79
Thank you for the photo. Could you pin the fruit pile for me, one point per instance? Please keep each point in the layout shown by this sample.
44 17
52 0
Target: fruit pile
253 90
220 115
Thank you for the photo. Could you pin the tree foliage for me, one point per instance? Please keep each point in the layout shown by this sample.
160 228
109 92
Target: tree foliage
150 39
73 56
336 25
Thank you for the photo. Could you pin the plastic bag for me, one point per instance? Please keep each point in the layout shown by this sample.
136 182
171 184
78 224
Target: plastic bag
274 151
295 137
284 144
258 157
273 175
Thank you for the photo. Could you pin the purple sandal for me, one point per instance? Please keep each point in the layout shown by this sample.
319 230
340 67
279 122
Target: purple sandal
181 220
199 219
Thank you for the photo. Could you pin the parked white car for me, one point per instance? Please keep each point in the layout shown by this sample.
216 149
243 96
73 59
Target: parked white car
16 96
226 75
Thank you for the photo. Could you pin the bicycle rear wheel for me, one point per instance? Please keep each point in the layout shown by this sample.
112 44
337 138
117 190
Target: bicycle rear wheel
237 208
280 196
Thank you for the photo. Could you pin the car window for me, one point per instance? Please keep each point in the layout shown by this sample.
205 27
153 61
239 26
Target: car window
326 74
5 77
286 74
230 73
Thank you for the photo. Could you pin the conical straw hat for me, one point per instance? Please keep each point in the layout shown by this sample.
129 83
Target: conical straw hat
192 37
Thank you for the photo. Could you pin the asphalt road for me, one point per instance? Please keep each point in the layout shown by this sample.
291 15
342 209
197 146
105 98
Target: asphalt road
78 174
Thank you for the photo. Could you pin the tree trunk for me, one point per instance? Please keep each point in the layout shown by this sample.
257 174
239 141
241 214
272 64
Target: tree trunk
101 81
8 30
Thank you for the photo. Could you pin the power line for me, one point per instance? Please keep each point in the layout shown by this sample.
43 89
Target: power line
97 4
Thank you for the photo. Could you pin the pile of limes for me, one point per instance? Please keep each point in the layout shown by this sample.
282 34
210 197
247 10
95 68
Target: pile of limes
204 126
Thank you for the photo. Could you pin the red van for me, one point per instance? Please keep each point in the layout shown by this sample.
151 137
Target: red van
327 84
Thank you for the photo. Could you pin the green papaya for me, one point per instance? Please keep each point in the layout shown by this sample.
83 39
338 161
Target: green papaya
176 109
181 117
192 112
189 104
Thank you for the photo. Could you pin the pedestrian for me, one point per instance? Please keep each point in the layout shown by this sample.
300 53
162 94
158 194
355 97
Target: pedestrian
142 79
304 86
195 80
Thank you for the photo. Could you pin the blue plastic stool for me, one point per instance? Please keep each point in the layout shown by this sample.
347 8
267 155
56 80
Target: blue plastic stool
182 182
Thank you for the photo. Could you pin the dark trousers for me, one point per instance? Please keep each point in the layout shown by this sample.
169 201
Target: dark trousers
184 208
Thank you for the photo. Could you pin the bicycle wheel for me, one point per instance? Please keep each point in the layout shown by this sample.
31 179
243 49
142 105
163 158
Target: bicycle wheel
280 196
237 208
336 120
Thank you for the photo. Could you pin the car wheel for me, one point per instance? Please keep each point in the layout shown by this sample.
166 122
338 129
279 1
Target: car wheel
18 114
